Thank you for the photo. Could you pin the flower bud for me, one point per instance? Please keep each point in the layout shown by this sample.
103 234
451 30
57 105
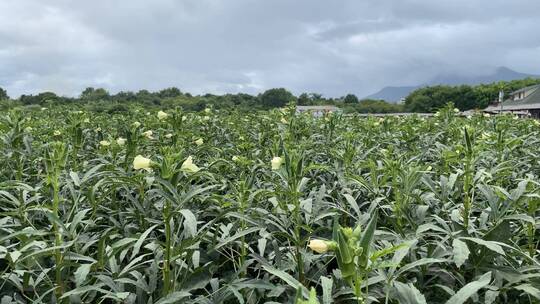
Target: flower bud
318 246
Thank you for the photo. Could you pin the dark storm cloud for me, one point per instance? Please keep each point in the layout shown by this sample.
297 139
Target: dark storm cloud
331 47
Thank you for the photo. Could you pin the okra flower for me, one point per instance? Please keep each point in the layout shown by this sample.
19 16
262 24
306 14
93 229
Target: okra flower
189 166
141 162
199 142
276 162
169 135
136 124
121 141
162 115
321 246
148 134
105 143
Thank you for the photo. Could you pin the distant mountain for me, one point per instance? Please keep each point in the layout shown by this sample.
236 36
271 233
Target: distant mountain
500 74
394 94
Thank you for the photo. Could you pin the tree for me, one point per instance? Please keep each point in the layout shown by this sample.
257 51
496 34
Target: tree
374 106
350 98
170 93
47 97
124 96
41 98
304 100
3 94
278 97
464 97
95 94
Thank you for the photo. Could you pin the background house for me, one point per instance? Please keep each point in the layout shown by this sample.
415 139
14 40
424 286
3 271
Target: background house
523 102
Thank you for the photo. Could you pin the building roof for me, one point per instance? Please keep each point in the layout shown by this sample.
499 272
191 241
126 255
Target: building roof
516 107
525 89
532 101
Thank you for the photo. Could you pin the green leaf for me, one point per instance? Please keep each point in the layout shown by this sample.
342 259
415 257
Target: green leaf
236 236
399 255
174 297
14 256
287 278
461 252
416 264
84 289
326 284
190 222
494 246
491 296
138 244
408 294
528 288
81 273
470 289
367 238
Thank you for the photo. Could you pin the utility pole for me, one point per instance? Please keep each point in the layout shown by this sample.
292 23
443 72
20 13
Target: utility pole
501 97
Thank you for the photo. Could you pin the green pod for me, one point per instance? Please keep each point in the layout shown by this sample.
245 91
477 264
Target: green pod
348 270
344 248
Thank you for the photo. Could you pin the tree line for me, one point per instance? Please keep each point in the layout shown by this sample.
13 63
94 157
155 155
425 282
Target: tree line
464 97
426 99
99 99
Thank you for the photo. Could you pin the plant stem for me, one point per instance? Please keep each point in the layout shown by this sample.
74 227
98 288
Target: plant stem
59 289
168 244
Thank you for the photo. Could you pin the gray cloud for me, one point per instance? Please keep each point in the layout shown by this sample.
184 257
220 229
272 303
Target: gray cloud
331 47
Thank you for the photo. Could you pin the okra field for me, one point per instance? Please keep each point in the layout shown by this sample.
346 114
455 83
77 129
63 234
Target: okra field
164 206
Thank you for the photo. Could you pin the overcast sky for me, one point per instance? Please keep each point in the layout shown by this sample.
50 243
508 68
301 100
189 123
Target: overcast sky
332 47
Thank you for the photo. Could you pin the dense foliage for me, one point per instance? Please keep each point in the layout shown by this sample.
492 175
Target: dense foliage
373 106
100 100
423 100
432 98
222 207
3 94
